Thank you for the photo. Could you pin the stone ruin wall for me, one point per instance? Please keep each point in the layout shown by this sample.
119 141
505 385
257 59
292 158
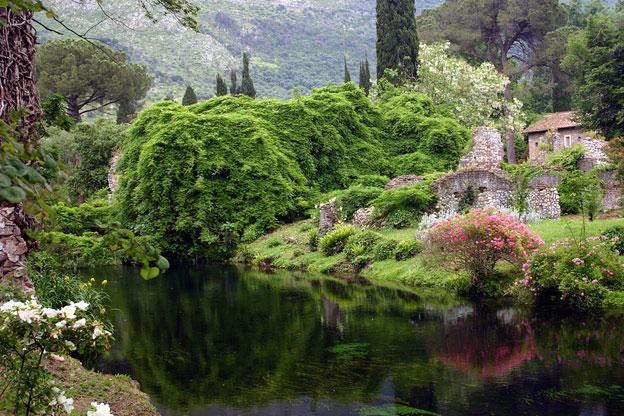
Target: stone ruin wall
487 150
543 197
405 180
611 190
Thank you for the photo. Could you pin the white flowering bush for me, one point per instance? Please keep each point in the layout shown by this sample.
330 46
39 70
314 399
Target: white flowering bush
30 334
473 94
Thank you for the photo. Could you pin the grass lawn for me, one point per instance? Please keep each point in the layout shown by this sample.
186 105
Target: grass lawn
571 227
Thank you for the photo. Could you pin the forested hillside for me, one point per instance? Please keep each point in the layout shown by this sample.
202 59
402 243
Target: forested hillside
293 43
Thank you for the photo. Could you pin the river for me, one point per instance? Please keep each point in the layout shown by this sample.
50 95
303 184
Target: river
224 341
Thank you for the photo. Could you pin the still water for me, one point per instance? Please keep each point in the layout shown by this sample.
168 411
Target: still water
221 341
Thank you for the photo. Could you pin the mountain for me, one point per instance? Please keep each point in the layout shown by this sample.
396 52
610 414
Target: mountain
293 43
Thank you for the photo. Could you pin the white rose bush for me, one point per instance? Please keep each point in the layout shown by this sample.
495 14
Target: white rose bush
29 335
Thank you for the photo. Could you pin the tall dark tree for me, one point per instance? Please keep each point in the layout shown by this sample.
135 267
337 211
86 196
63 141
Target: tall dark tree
247 85
365 77
397 38
347 74
189 96
508 33
222 88
234 88
600 86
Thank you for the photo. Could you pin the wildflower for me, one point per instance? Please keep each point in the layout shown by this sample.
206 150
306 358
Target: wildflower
82 305
27 315
104 282
69 311
101 409
577 261
79 323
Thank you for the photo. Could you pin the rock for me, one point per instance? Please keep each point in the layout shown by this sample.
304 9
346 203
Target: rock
363 217
113 177
405 180
487 150
328 216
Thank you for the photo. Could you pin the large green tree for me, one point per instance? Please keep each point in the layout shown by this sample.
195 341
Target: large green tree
247 85
90 76
599 78
508 33
189 96
347 74
397 38
221 88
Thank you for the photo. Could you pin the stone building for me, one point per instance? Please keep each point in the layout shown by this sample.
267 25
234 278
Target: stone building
553 132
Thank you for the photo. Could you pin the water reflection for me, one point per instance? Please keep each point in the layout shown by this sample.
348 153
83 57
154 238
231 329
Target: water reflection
218 341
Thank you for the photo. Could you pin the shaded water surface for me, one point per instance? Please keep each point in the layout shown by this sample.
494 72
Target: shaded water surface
220 341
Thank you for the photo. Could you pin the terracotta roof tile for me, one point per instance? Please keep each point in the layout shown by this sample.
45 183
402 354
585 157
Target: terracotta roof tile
553 121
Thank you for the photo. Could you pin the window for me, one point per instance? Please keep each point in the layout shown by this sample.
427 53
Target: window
567 141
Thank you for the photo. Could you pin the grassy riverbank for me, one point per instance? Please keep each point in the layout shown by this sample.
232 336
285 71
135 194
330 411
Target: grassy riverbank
288 248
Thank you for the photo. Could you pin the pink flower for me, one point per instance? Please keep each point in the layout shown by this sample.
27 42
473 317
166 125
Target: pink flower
577 261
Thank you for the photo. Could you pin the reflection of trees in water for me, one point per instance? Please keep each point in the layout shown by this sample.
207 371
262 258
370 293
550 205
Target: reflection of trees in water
219 337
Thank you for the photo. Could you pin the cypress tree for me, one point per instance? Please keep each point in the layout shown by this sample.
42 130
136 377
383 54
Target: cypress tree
247 86
222 88
397 39
234 89
365 78
189 96
347 75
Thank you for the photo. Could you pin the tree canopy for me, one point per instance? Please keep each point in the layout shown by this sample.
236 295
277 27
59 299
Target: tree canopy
90 76
247 86
189 96
397 39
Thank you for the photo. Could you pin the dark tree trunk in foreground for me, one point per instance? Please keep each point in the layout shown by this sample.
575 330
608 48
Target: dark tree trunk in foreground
17 71
17 91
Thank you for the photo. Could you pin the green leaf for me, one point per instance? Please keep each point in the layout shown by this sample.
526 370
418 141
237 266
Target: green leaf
5 181
162 263
33 176
13 194
149 273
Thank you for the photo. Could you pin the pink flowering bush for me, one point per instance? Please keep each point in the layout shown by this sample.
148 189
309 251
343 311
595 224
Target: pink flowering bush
480 239
577 274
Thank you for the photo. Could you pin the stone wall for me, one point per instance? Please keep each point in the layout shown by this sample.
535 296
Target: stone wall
594 154
328 216
543 197
400 181
487 150
493 189
13 247
611 190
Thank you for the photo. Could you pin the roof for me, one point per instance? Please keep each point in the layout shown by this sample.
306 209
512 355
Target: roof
553 121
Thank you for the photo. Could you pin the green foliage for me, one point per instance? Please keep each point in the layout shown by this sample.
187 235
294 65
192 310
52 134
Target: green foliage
55 114
616 236
416 163
355 197
577 274
414 125
247 85
407 248
384 250
580 193
361 243
404 206
313 240
365 76
88 75
221 88
234 87
229 165
397 38
70 251
347 75
335 241
567 158
376 181
189 96
80 219
521 174
599 81
467 200
94 149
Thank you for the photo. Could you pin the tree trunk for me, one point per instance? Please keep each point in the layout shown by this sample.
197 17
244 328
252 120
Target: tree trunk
511 145
17 73
73 110
17 91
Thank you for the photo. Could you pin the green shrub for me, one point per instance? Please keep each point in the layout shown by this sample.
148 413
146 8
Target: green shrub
567 158
576 274
350 200
616 236
361 243
246 255
401 207
375 181
360 262
335 241
83 218
68 251
407 249
384 250
313 240
274 242
580 193
242 163
417 163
